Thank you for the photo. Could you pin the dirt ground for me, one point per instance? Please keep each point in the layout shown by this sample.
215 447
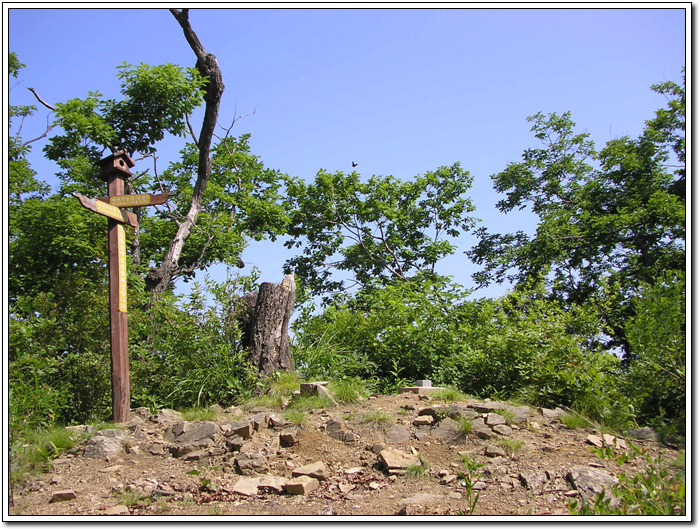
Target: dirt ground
528 476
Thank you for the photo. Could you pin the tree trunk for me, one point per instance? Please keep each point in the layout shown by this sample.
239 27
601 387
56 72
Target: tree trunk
158 279
269 349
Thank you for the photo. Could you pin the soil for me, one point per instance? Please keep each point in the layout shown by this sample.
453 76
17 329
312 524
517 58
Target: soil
145 479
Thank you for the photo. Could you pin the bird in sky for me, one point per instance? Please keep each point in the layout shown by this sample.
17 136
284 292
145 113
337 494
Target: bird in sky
354 164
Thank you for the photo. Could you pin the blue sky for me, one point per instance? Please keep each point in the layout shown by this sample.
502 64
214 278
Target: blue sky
400 91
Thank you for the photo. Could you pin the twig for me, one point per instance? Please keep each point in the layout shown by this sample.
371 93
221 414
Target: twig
47 105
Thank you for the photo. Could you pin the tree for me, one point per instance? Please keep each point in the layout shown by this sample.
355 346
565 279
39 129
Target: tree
609 221
222 193
378 230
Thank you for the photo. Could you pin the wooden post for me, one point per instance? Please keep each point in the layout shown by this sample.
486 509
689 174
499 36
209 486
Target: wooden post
114 169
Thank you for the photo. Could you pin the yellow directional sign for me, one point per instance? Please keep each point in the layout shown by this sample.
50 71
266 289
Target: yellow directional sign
136 199
121 248
107 210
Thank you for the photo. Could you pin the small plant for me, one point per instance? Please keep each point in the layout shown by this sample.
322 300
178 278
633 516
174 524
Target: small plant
297 417
307 403
377 419
574 421
469 479
654 491
511 446
465 425
507 414
199 414
417 471
349 390
448 395
283 384
268 402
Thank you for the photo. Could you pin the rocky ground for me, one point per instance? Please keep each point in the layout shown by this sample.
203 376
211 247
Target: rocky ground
387 455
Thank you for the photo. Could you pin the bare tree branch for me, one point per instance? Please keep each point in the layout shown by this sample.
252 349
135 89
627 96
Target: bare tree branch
47 105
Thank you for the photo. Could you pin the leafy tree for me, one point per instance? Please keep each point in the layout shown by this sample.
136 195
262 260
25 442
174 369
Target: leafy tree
379 230
609 220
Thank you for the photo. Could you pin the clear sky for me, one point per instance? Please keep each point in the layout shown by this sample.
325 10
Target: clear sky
400 91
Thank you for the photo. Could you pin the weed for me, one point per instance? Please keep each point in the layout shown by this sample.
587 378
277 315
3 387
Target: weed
377 419
199 414
507 414
469 479
574 421
297 417
511 446
269 402
307 403
653 491
216 510
349 390
283 384
448 395
465 425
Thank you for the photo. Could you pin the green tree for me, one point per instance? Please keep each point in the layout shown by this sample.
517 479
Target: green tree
378 230
609 220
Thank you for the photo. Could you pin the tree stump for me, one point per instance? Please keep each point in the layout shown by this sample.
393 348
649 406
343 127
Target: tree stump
267 334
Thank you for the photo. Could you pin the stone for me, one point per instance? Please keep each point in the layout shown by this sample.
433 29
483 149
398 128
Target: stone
196 455
645 433
327 510
590 482
422 498
503 430
166 416
103 446
81 429
334 424
272 482
447 428
351 438
377 448
252 463
520 414
494 450
234 443
552 414
198 431
289 437
397 460
594 439
244 428
424 383
609 440
119 509
278 422
354 470
397 435
534 480
116 434
64 495
483 433
448 479
247 486
345 488
487 406
260 421
423 420
494 419
316 470
301 485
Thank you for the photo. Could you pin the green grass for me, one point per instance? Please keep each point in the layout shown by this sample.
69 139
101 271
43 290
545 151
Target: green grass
297 417
507 414
448 395
574 421
307 403
348 391
465 425
377 419
511 446
199 414
268 402
284 384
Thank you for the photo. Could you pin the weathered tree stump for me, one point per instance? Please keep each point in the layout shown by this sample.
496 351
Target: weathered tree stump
265 329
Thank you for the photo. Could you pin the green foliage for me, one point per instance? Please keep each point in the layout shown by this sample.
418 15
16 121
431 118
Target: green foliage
511 446
377 419
655 377
574 421
378 230
657 490
609 220
464 425
283 384
469 479
350 390
199 414
447 395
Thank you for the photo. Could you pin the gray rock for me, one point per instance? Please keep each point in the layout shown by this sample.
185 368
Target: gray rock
397 435
117 434
260 421
487 406
422 498
142 412
252 463
65 495
645 433
301 485
103 446
494 450
396 460
552 414
447 429
243 428
316 470
534 480
495 419
503 429
351 438
198 431
289 437
234 443
166 416
590 482
247 486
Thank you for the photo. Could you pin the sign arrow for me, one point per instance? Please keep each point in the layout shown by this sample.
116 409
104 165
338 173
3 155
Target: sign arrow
107 210
143 199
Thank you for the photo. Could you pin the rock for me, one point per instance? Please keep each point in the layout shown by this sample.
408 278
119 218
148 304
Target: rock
397 435
334 424
234 443
244 428
64 495
494 450
81 429
609 440
422 498
166 416
260 421
487 406
301 485
447 429
351 438
552 414
354 470
316 470
534 480
495 419
198 431
503 430
397 461
289 437
594 439
645 433
327 510
448 479
103 446
377 448
252 463
345 487
196 455
272 482
434 411
520 414
119 509
278 422
247 486
156 449
423 420
590 482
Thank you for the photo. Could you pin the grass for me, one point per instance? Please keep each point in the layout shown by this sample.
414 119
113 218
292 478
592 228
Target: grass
507 414
284 384
268 402
307 403
574 421
465 425
448 395
297 417
348 391
199 414
377 419
511 446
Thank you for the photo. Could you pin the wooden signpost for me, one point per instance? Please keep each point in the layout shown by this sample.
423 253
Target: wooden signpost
115 169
